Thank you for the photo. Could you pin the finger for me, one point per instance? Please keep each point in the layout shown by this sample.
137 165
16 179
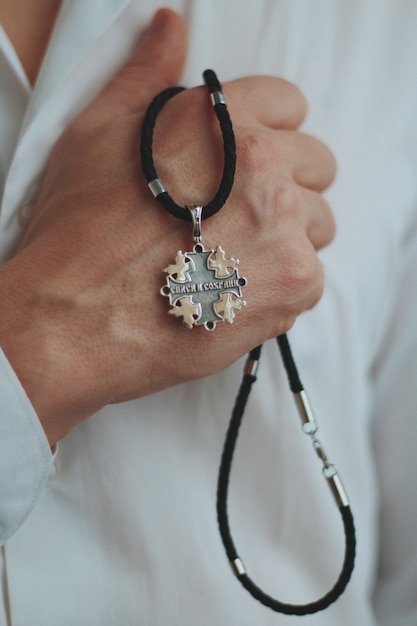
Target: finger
312 163
306 159
272 101
156 63
319 220
266 155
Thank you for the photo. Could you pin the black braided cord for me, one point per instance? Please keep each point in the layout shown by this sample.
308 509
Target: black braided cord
222 496
229 150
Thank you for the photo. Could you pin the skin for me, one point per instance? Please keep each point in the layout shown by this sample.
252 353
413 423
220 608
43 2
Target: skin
83 323
28 25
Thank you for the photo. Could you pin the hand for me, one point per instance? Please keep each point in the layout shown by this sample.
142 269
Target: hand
83 323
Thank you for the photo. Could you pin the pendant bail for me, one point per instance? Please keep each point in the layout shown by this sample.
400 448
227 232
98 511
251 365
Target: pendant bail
196 211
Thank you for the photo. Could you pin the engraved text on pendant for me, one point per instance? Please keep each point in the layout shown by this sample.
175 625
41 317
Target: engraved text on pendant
204 287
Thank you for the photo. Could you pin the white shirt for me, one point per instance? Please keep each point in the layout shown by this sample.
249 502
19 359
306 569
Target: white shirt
123 531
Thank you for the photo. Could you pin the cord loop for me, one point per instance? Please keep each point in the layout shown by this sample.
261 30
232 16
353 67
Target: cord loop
229 150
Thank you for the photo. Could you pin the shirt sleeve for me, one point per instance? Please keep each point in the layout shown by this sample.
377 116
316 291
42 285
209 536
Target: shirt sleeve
26 459
395 444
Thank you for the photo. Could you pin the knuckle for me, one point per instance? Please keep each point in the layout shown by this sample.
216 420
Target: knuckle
322 227
286 199
304 278
255 152
298 99
329 228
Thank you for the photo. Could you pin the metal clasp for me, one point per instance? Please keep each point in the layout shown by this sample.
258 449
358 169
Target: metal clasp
309 425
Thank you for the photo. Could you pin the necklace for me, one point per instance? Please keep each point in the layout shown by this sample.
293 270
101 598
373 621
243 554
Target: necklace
203 286
196 283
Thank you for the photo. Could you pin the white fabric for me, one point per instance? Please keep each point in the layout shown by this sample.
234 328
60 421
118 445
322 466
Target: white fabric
125 533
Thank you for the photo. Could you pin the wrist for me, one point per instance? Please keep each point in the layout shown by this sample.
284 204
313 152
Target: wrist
40 353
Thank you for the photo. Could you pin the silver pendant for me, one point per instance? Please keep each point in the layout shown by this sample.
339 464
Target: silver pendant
203 286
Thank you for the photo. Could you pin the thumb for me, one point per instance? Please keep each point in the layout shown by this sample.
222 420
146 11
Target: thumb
156 63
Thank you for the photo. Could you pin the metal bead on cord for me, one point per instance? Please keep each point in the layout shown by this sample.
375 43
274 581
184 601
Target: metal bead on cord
309 424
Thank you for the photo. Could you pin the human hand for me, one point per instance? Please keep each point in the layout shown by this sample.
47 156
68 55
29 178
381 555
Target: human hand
83 323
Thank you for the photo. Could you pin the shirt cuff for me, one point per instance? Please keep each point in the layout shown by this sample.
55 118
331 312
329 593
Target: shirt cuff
26 459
